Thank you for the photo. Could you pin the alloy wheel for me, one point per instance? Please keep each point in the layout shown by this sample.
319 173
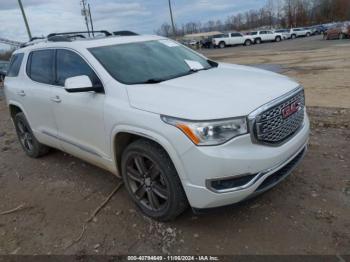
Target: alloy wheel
25 136
146 182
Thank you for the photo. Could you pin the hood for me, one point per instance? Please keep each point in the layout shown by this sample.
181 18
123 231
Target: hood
223 92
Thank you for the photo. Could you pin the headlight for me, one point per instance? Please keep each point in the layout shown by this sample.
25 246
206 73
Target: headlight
208 133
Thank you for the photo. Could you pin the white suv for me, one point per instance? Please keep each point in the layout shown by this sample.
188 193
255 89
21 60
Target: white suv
177 127
266 36
299 32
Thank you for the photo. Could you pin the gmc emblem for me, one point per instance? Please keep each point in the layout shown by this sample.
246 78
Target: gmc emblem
290 109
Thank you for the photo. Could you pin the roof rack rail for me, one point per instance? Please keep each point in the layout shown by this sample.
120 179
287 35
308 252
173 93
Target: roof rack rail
37 38
33 40
105 32
63 37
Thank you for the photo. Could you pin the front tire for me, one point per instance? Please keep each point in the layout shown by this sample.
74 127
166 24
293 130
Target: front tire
29 143
294 36
278 39
308 35
152 181
258 41
222 45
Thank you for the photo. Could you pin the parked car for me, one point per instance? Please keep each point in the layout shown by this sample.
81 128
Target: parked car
339 32
179 128
300 32
193 42
318 30
231 39
208 42
3 69
265 36
285 33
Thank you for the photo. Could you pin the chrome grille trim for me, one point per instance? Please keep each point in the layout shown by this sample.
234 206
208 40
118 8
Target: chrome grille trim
266 124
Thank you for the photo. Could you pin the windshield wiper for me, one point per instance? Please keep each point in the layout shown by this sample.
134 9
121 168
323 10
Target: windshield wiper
153 81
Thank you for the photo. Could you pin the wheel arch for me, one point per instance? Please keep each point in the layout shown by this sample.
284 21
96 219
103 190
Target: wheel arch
15 108
123 136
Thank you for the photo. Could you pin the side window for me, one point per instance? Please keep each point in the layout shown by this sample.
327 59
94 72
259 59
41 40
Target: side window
263 32
236 35
70 64
40 67
15 65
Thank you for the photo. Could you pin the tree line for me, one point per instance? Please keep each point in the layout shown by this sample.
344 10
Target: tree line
275 14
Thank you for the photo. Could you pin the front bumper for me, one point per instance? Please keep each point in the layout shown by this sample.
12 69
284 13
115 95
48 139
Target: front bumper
236 158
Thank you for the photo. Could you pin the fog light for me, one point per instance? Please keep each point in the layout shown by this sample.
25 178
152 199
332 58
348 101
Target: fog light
221 185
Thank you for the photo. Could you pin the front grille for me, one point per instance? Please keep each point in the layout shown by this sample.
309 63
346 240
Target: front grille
271 127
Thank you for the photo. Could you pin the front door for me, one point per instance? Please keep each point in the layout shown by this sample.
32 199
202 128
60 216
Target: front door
79 116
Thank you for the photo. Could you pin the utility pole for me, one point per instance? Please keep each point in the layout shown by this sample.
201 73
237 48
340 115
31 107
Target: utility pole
172 19
92 25
25 19
84 12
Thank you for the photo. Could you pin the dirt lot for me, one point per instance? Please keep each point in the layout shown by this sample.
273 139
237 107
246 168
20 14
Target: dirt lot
306 214
322 67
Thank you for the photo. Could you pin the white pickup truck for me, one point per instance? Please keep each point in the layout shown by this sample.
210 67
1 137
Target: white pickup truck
265 36
231 39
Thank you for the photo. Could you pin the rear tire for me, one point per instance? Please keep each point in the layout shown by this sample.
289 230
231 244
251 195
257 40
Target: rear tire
29 143
294 36
152 181
308 35
222 45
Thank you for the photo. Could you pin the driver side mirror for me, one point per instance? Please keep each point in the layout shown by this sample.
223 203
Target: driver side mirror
79 84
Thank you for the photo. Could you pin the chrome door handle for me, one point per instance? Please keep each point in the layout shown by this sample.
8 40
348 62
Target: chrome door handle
56 99
21 93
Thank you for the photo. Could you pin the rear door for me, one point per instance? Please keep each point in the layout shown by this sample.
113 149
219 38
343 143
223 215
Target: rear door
38 96
79 116
237 39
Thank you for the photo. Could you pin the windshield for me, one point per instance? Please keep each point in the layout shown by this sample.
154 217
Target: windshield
149 62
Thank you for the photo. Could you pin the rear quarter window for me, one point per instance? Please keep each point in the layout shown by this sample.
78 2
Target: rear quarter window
15 65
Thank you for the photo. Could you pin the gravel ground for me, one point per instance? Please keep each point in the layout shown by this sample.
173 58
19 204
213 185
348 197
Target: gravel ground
308 213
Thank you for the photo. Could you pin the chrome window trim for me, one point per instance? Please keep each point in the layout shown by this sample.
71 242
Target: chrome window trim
251 119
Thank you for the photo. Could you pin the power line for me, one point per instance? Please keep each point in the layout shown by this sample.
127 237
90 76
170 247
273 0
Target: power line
10 42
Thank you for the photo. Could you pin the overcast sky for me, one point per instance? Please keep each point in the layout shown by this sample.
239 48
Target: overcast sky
142 16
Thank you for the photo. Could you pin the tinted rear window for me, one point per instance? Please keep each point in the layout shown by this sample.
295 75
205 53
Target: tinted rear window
40 66
15 65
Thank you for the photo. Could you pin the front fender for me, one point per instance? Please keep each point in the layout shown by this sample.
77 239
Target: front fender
154 136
